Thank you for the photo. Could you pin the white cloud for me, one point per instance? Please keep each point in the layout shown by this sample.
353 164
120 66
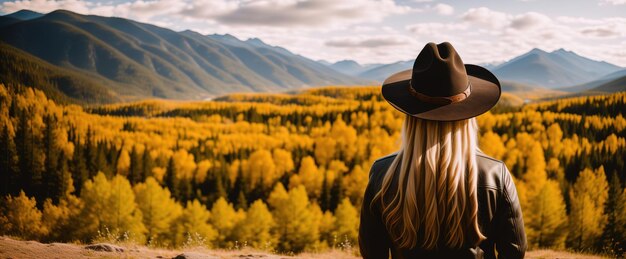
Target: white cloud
46 6
612 2
279 13
484 16
485 35
444 9
368 42
529 20
289 13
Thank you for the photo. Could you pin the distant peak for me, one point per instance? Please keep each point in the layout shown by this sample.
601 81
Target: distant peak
62 11
25 14
223 36
26 11
190 32
562 50
346 61
537 50
255 40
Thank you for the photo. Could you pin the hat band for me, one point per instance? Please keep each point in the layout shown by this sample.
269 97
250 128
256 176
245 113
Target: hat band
442 100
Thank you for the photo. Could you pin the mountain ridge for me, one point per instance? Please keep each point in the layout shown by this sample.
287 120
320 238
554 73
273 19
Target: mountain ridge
150 61
554 69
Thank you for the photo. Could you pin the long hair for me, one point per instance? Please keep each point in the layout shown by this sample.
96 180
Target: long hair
435 202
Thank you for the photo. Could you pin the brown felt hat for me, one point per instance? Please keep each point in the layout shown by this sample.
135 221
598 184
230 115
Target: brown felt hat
441 88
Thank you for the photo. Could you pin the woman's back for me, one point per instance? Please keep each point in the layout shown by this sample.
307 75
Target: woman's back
438 196
499 217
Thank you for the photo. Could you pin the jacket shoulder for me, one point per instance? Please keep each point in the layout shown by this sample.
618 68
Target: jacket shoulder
381 164
490 171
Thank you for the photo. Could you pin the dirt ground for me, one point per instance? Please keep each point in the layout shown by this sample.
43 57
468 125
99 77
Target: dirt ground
15 249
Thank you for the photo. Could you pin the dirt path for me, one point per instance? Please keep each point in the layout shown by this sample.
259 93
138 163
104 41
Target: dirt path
15 249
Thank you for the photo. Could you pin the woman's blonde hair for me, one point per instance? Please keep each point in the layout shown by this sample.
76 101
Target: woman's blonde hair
434 202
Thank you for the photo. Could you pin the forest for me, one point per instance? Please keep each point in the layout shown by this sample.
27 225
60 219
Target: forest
284 172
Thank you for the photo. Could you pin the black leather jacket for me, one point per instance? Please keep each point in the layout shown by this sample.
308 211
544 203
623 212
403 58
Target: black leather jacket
499 217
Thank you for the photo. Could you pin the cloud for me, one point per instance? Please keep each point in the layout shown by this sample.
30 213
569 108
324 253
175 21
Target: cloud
373 42
279 13
485 35
600 32
46 6
484 16
529 21
435 29
612 2
292 13
444 9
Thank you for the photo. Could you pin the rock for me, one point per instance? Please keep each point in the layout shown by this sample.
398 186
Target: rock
192 255
105 247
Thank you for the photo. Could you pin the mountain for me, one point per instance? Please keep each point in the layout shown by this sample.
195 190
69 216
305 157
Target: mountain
324 62
553 69
596 83
61 84
136 60
381 72
348 67
24 15
616 85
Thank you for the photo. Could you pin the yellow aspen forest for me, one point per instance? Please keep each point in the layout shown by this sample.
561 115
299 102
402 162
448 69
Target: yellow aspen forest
284 172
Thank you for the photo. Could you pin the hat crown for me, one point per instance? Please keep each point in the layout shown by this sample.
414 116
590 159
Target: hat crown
438 71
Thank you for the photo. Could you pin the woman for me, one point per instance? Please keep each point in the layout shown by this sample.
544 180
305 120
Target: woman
439 196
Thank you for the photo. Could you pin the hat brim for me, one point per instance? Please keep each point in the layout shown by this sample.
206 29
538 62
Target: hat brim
485 94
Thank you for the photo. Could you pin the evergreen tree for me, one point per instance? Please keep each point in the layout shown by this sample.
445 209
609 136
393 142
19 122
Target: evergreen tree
90 153
614 236
30 162
101 159
325 196
336 192
135 172
242 202
171 180
53 177
147 164
9 175
79 168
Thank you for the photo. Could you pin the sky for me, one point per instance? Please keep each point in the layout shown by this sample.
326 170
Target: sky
383 31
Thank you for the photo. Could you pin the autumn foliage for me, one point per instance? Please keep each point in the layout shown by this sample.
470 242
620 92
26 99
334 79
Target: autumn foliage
283 172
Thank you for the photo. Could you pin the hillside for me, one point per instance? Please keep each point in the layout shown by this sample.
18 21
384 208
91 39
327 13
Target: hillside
529 92
142 60
593 84
64 85
613 86
553 69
